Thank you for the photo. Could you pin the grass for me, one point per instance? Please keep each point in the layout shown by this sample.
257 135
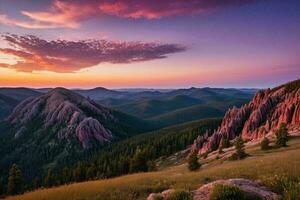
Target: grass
261 166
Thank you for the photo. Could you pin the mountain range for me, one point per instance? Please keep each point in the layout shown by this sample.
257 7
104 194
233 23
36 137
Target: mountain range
164 107
51 128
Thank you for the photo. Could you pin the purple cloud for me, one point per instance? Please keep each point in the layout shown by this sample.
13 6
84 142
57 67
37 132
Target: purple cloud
34 53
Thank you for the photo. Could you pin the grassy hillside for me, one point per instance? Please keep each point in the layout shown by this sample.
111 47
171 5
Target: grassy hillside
263 166
41 151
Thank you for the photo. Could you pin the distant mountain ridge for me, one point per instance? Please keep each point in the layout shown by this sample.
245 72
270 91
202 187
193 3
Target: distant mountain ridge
165 107
262 116
10 97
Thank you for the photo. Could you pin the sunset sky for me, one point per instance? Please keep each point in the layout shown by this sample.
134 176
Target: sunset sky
149 43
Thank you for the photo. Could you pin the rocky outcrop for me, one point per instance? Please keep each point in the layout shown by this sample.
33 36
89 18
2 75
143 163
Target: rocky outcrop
66 113
249 187
263 115
164 195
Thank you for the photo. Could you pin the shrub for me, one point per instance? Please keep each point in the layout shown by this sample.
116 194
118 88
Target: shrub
15 181
151 166
264 145
287 186
158 197
205 155
226 192
160 186
180 195
281 136
193 163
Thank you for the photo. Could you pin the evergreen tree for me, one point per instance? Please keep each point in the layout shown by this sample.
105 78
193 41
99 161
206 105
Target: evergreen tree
282 136
36 183
91 172
225 143
239 149
193 163
15 181
1 188
66 175
151 166
139 162
50 179
264 145
221 149
79 172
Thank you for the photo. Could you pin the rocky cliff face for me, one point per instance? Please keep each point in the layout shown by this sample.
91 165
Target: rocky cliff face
263 115
66 113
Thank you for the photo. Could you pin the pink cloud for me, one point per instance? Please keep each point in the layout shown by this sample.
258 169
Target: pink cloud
69 13
36 54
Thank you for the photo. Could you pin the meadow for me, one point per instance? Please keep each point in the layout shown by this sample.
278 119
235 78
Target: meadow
263 166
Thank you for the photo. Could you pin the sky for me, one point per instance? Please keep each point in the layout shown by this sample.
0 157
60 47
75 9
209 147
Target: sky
149 43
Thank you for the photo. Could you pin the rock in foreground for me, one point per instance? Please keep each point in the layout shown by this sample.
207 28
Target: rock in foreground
250 187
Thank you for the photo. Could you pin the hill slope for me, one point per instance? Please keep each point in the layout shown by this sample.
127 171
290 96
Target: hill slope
181 105
7 104
49 129
10 97
260 166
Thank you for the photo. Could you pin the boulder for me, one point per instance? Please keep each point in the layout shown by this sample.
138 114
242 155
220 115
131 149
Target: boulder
249 187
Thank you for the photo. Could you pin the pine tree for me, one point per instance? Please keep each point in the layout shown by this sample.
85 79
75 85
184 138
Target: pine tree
193 163
15 181
151 166
66 175
281 136
50 179
139 162
91 172
264 145
239 149
1 188
36 183
79 173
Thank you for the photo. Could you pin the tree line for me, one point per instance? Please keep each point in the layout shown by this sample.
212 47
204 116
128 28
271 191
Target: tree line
136 154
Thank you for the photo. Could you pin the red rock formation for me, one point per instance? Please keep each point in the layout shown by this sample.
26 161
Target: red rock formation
264 114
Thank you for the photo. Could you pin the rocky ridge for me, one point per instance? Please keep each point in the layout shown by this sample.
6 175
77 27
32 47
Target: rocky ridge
67 113
260 117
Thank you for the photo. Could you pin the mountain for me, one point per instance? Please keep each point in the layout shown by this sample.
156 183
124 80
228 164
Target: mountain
100 93
182 105
151 107
19 94
259 118
59 126
7 104
10 97
186 115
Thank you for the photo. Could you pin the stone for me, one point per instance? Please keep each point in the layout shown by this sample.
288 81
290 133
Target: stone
248 186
